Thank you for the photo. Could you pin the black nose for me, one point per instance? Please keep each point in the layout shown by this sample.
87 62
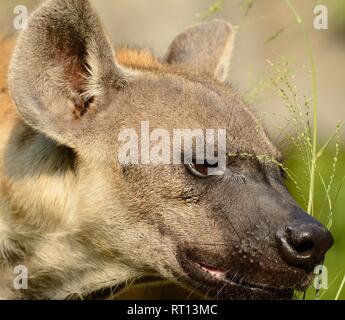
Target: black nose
304 244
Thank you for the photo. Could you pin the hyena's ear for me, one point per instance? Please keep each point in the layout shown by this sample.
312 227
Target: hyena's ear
63 68
205 48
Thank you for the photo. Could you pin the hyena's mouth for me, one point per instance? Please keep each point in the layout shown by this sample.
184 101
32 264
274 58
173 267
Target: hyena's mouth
220 283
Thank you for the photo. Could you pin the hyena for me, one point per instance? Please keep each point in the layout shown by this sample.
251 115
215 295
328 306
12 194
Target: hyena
81 221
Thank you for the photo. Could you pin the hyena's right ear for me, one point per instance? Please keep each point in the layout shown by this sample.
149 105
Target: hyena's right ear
62 70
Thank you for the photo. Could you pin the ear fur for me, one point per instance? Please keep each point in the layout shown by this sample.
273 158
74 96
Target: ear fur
63 65
205 48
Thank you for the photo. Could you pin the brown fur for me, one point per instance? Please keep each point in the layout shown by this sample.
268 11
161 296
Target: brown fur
138 59
8 114
6 106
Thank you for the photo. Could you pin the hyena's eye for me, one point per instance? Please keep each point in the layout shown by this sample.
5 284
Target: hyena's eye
200 170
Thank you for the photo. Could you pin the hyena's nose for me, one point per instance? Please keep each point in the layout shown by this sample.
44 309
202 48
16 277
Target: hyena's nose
304 244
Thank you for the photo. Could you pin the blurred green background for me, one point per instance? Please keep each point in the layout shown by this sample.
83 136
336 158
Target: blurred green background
266 30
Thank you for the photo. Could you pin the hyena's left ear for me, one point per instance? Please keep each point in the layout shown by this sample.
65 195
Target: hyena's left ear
205 48
63 69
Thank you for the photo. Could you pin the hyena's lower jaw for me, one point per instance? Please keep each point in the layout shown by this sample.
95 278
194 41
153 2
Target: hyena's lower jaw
215 282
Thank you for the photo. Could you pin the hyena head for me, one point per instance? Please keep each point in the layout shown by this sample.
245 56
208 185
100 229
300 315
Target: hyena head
235 234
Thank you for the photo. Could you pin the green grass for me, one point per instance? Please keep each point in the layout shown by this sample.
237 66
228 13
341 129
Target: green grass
335 259
322 203
317 174
311 162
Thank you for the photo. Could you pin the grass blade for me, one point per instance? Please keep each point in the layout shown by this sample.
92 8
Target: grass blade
340 288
